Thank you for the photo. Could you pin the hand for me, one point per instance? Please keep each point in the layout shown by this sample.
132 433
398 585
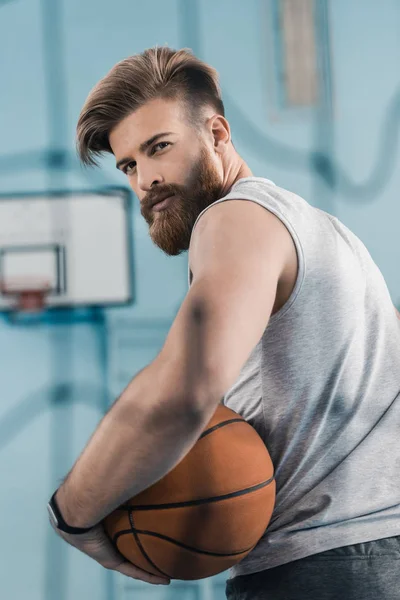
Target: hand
96 544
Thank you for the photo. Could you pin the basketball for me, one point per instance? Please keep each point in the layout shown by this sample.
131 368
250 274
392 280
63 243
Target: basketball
208 512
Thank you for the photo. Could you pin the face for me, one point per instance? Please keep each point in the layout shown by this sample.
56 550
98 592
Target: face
181 163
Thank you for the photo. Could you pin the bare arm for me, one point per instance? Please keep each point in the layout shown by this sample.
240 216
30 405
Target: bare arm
142 437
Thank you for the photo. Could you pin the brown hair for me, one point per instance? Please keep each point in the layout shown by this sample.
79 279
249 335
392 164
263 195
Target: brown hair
158 72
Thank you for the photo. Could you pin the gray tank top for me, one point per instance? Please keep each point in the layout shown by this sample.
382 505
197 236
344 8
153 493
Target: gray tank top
322 388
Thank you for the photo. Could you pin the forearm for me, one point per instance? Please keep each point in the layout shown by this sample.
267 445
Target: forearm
146 433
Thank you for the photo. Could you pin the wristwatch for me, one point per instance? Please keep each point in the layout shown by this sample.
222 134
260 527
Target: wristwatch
58 521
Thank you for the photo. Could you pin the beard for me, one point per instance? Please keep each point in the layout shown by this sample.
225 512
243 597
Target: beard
171 228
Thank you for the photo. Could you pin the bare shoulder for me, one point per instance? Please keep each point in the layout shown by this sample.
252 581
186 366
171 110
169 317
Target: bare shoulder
240 230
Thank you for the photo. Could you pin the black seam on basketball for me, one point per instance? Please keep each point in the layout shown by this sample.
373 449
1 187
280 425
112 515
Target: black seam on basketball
134 531
185 546
248 490
222 424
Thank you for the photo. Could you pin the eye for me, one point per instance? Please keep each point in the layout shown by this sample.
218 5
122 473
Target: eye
128 168
159 144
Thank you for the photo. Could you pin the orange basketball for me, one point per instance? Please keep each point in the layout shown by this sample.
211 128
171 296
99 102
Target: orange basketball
206 514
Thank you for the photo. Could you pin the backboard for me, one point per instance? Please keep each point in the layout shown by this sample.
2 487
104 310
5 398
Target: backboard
76 245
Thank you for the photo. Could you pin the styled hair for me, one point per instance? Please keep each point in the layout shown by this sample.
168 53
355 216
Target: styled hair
158 72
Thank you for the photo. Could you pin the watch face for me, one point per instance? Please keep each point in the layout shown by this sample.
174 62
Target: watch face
52 515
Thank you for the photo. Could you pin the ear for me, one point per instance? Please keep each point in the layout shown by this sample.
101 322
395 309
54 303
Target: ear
221 133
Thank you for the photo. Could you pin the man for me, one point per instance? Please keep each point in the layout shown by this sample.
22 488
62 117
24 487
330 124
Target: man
299 336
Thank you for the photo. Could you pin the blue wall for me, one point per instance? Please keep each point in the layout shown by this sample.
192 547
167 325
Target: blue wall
341 156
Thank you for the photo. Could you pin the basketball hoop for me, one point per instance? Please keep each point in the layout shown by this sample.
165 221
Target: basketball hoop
29 292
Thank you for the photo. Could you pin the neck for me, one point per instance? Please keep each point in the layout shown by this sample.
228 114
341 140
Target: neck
237 170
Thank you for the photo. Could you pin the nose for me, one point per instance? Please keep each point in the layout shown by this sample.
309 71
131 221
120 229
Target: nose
147 179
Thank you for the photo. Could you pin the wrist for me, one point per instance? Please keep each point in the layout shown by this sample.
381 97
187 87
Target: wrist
63 518
66 506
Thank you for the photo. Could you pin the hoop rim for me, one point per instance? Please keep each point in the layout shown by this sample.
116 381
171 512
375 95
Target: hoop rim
28 292
17 285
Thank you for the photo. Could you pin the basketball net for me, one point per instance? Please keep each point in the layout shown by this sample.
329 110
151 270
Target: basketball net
29 293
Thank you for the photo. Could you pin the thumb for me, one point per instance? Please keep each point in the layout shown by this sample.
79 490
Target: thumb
130 570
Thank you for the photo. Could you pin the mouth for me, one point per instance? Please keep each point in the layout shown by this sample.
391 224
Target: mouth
162 204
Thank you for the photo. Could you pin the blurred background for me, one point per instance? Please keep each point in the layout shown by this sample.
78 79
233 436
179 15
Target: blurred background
311 89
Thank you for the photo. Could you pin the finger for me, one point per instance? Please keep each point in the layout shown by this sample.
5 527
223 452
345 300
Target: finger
130 570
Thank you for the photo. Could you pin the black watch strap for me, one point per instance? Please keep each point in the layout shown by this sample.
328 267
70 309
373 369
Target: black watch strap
57 518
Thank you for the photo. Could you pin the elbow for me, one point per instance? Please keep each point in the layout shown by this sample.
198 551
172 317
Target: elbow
188 395
176 415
